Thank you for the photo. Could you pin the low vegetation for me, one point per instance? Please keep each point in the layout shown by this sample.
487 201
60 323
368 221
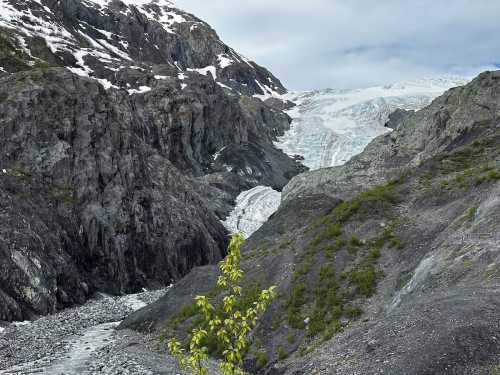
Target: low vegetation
320 297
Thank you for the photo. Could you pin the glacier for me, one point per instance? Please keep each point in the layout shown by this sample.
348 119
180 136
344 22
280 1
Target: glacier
331 126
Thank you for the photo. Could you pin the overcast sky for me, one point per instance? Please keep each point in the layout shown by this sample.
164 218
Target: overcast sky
313 44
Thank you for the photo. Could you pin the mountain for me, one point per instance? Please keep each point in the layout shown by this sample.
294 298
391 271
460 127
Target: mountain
386 264
128 129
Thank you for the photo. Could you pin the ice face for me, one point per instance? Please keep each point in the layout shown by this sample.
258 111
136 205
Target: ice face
253 208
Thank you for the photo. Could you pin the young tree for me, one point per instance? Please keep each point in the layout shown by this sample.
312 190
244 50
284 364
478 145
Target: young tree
228 324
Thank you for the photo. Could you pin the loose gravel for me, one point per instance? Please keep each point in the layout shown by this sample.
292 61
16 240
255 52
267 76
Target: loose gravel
82 340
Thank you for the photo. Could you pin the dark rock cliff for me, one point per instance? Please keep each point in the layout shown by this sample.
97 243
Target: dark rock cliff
117 167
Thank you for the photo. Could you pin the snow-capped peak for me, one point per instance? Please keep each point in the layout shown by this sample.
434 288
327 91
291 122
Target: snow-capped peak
161 3
103 39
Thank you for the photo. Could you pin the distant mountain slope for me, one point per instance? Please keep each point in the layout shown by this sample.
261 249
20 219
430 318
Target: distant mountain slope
331 126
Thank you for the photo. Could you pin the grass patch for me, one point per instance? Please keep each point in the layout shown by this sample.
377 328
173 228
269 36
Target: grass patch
291 339
327 303
294 304
282 353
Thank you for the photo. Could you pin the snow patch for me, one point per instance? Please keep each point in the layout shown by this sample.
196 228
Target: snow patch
268 92
141 90
204 71
224 61
224 86
106 84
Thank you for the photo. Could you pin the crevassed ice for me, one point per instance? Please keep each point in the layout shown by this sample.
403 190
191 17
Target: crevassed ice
331 126
253 208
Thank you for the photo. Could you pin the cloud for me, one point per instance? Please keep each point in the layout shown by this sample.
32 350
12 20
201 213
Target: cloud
354 43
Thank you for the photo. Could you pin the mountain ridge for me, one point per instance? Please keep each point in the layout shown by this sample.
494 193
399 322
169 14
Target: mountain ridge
108 40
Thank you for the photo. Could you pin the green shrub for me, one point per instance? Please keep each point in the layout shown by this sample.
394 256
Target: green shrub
261 360
327 302
282 353
364 278
352 312
291 338
296 299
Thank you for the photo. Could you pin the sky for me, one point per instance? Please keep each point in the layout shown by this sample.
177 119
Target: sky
316 44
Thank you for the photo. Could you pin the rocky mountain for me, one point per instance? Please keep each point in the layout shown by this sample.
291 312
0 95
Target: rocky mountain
127 131
387 264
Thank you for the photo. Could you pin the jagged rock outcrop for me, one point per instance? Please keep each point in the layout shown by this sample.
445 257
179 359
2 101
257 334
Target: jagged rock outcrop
397 118
118 157
389 264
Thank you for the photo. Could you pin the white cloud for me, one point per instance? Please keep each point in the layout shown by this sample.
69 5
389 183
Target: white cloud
350 43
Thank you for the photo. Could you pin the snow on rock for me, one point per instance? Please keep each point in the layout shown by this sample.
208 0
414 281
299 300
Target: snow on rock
98 38
331 126
253 209
204 71
224 61
141 90
268 92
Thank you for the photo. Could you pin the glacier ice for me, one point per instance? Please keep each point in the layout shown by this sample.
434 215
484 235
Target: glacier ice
331 126
253 208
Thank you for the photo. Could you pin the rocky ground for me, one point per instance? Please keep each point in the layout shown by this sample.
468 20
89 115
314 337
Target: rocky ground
82 340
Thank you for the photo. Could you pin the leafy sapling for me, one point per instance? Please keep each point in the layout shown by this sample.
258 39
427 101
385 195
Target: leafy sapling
229 325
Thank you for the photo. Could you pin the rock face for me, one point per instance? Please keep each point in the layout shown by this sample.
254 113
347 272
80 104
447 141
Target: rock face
119 154
388 264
